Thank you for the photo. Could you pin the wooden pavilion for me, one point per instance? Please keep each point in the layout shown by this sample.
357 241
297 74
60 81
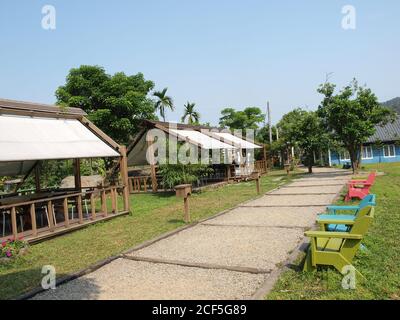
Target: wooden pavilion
31 133
205 138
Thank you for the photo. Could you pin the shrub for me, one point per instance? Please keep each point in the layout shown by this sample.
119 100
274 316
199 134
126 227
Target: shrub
174 174
11 248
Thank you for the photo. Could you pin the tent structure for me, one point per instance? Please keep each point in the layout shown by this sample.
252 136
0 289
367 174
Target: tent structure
204 138
31 133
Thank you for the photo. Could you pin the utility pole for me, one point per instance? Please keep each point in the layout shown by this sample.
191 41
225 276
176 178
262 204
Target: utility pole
269 122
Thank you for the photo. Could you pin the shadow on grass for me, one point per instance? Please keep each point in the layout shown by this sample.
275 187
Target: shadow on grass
174 221
26 284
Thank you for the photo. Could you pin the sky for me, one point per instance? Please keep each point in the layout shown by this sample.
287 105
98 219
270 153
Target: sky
218 54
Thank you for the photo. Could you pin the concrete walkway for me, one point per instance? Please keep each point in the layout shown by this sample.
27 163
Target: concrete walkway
232 256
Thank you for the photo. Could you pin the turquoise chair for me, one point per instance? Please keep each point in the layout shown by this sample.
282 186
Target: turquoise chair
333 211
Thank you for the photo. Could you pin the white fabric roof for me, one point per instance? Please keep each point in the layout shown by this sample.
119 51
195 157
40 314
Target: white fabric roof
201 139
228 137
26 139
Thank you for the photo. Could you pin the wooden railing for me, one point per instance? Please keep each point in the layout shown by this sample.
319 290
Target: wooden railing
139 183
260 166
59 211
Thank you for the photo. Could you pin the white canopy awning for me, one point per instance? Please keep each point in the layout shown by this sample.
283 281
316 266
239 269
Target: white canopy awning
201 139
24 140
230 138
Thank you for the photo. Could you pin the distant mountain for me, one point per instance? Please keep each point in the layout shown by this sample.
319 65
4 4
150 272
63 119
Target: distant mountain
393 104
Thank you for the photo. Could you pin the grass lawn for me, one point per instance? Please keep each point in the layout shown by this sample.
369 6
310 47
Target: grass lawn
379 263
153 215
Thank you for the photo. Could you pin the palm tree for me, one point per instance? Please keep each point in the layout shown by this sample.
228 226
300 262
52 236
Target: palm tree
163 102
192 115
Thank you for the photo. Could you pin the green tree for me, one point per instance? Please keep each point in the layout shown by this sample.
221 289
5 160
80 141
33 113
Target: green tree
163 102
289 126
190 114
351 115
304 130
115 103
311 137
249 118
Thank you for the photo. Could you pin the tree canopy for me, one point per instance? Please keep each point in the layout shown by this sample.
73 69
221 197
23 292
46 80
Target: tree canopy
249 118
163 102
351 115
304 130
115 103
190 114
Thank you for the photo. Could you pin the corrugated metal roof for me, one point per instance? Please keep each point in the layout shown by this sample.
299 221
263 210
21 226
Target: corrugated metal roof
388 132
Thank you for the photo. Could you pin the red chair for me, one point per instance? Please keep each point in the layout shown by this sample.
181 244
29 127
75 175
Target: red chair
370 180
360 188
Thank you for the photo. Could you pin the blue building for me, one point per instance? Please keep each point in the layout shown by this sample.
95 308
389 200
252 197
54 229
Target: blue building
389 151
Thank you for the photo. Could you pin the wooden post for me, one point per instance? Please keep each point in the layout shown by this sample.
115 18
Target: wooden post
113 201
93 206
79 206
256 176
124 177
33 219
265 158
66 217
152 164
186 206
130 185
50 215
258 185
184 191
77 174
228 172
104 202
145 184
14 223
37 178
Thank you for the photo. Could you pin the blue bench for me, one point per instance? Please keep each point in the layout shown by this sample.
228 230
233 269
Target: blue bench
333 211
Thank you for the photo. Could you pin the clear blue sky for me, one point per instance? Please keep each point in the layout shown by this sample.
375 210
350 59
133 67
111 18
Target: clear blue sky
218 54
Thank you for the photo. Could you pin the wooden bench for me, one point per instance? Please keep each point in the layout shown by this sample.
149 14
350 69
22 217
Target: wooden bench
337 249
334 215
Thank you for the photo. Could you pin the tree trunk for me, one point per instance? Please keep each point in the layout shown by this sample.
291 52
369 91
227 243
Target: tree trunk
310 161
354 157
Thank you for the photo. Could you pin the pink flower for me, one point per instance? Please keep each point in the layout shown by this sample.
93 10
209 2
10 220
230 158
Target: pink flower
4 243
8 253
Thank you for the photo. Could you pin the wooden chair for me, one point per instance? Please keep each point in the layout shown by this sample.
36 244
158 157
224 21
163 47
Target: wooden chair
370 180
334 215
337 249
360 188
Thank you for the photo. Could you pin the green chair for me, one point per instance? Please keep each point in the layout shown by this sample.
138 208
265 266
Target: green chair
338 249
342 222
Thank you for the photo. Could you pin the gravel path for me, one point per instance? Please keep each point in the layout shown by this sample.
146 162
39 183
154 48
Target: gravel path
228 257
323 183
136 280
291 200
309 190
248 247
269 217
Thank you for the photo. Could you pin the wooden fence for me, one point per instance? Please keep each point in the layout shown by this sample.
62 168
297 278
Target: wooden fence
261 166
52 215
